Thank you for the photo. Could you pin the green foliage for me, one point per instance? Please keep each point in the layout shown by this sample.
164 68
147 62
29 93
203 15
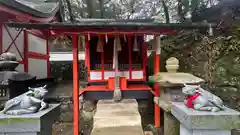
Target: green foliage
215 59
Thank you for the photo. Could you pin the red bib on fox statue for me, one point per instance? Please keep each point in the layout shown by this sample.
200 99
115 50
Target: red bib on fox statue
192 98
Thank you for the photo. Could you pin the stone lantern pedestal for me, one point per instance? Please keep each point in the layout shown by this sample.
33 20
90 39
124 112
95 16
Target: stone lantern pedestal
171 84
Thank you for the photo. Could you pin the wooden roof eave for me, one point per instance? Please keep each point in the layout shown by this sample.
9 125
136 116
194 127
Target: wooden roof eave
120 26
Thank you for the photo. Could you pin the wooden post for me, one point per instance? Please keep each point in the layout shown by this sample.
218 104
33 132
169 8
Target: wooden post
102 56
130 57
75 85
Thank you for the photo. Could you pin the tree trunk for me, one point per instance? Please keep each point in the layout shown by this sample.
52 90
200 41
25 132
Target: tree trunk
61 10
80 10
101 7
90 8
70 11
165 8
194 9
180 11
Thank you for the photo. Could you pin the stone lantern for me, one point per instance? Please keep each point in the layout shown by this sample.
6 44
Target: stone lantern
171 83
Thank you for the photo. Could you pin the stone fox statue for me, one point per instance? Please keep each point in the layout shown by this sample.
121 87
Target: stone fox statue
29 102
201 100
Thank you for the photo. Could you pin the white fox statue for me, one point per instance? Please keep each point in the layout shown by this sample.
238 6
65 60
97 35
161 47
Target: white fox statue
201 100
27 103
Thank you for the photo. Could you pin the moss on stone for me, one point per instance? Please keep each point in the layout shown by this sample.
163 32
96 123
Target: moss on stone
8 121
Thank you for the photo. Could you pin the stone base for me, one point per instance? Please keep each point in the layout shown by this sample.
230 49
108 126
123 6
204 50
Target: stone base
39 123
185 131
117 118
223 120
171 124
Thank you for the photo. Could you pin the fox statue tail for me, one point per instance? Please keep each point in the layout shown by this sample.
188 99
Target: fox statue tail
221 107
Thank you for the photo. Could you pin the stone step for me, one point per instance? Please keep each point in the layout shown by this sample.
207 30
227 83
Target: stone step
117 118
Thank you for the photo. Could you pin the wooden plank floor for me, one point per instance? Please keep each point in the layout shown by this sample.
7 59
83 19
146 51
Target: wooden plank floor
117 118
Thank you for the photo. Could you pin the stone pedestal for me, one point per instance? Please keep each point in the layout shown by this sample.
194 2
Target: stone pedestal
117 118
185 131
39 123
171 124
205 123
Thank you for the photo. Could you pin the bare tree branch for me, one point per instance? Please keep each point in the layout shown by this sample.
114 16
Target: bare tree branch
107 2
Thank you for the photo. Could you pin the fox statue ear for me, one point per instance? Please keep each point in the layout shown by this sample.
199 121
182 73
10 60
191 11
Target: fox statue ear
45 86
31 89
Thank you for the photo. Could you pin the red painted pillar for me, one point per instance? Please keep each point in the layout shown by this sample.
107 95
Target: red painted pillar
102 56
25 44
1 39
156 87
75 85
130 57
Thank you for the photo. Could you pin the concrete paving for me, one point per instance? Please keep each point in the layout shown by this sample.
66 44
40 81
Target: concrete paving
117 118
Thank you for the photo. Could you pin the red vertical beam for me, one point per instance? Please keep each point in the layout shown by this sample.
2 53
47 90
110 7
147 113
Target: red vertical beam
25 43
156 87
102 57
144 58
130 57
86 51
47 47
1 39
87 55
75 85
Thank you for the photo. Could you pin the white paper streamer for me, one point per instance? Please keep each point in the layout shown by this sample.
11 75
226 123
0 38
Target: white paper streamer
210 30
158 45
89 37
106 38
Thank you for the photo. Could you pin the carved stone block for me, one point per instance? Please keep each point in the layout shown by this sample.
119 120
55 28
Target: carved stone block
208 123
39 123
172 94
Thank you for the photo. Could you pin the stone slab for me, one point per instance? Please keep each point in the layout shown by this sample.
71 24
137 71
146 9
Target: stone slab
30 133
185 131
29 123
117 118
167 79
223 120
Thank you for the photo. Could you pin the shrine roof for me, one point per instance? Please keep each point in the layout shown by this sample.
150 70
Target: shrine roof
143 25
30 10
38 8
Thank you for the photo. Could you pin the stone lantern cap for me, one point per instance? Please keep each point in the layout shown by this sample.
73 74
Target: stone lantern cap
172 61
175 79
172 64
